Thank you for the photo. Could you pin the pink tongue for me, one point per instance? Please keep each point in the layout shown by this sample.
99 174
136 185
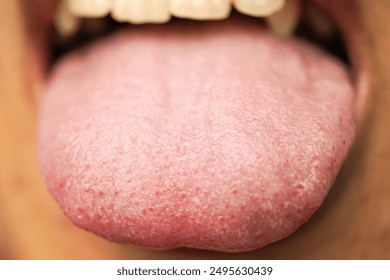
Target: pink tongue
205 135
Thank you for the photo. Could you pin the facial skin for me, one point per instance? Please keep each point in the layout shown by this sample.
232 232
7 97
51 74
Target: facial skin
353 223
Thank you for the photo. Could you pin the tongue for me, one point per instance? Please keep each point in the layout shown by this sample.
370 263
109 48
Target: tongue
214 136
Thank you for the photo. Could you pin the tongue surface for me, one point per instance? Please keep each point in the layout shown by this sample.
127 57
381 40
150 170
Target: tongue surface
214 136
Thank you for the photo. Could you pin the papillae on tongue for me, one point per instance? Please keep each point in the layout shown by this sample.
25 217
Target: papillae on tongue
214 136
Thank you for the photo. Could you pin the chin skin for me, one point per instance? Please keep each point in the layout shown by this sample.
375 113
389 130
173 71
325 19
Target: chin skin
353 222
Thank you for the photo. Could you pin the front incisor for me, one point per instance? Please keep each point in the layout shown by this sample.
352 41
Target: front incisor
201 9
141 11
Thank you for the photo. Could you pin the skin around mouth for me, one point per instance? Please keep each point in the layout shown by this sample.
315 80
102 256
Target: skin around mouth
195 135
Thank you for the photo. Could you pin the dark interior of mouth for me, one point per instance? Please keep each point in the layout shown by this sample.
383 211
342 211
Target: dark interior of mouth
94 29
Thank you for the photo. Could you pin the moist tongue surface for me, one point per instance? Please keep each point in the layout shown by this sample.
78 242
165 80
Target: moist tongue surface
203 135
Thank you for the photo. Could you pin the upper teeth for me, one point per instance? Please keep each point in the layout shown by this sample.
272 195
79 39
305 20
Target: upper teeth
201 9
285 21
258 8
160 11
65 22
90 8
141 11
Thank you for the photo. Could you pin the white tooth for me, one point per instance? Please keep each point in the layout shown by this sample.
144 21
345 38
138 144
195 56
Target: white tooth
141 11
66 24
201 9
258 8
90 8
284 22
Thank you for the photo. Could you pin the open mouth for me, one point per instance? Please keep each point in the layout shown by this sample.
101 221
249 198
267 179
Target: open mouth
218 135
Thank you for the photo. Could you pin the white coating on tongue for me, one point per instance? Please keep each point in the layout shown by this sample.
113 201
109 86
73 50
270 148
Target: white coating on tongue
213 136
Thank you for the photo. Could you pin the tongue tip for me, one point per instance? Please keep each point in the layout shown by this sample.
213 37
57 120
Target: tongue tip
244 230
222 217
